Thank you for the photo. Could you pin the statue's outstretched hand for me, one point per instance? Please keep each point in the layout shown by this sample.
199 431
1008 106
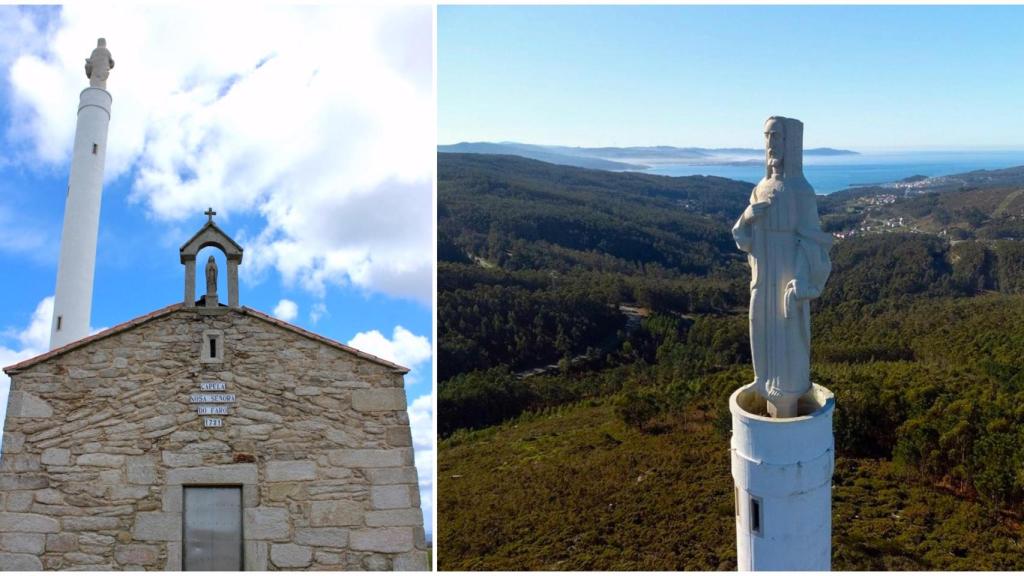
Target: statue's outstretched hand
796 293
789 307
756 210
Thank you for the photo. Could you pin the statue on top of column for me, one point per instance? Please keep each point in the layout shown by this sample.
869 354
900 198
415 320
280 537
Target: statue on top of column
789 261
99 64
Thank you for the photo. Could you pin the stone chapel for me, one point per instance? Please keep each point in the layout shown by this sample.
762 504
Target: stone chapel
208 436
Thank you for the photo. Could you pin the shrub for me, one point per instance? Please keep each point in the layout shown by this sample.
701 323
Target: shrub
639 407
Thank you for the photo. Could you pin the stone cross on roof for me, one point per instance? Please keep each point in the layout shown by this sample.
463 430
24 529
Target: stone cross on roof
211 235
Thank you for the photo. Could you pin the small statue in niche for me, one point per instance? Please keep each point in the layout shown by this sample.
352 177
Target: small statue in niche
211 278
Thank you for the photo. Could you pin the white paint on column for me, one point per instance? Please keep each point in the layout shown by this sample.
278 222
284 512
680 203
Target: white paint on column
785 465
72 304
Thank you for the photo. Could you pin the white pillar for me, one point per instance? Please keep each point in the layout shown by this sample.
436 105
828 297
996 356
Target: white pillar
782 468
72 303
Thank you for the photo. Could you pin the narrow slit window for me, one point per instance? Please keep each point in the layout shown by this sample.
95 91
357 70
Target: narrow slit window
60 320
95 148
211 347
755 516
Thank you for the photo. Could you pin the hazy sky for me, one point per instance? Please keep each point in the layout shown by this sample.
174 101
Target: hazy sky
863 77
309 129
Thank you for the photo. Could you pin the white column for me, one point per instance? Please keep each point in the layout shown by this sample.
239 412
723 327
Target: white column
73 300
782 468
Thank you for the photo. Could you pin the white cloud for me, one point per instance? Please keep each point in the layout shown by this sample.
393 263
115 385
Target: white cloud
32 340
318 311
421 420
403 348
286 310
35 337
318 118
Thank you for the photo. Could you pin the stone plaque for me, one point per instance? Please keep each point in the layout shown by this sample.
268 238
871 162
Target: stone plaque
211 398
212 386
216 410
213 422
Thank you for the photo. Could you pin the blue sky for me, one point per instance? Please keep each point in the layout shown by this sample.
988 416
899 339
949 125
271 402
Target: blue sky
320 166
862 77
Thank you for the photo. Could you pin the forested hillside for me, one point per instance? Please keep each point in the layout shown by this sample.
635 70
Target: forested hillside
523 214
629 294
534 258
983 205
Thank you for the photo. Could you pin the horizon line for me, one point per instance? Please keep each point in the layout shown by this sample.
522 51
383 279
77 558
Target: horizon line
874 149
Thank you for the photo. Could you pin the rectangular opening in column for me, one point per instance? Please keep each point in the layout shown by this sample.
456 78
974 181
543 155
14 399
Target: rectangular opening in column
755 516
212 528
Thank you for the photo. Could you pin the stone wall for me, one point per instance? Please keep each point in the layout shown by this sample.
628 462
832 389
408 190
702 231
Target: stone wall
100 440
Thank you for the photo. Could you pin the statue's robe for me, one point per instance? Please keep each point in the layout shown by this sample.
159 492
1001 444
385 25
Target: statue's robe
98 66
788 256
211 277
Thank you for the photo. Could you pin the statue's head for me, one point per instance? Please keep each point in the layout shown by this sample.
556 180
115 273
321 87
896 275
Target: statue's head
775 137
783 139
101 42
210 261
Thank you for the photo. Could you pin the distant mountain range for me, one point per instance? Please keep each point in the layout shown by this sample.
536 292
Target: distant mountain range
634 158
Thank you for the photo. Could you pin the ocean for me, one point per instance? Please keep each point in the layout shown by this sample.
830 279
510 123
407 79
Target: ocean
831 173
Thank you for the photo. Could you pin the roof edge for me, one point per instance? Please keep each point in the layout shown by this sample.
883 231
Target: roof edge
303 332
29 362
211 224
